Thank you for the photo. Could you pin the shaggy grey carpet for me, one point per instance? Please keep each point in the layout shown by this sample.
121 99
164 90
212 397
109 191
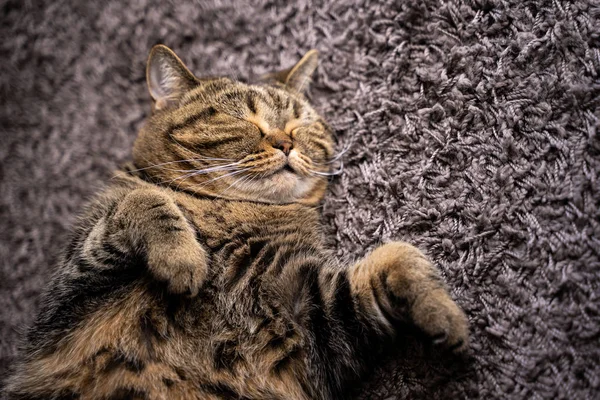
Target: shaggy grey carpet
473 132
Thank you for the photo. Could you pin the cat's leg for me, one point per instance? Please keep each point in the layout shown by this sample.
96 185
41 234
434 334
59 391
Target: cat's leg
397 282
148 222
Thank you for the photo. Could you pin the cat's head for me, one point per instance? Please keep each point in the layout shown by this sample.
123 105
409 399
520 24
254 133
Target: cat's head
222 138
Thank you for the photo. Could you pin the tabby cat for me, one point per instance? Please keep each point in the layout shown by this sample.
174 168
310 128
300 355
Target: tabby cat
201 271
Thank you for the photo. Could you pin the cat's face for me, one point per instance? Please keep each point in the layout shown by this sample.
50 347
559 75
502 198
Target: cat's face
223 138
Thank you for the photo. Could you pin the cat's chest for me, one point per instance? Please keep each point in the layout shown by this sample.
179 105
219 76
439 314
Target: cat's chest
255 253
224 224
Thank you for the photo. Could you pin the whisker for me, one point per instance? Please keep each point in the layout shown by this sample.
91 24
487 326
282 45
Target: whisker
216 168
205 170
191 173
179 161
333 173
186 176
247 178
337 156
325 173
221 177
261 161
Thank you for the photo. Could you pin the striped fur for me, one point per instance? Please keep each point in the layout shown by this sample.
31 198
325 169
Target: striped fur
201 272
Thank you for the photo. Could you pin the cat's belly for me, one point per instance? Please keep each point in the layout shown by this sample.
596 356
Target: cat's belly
238 338
243 336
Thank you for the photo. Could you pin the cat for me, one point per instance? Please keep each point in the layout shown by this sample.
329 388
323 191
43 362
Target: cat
201 272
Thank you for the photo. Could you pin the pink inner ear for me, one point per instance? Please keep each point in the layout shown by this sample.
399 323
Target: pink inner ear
156 81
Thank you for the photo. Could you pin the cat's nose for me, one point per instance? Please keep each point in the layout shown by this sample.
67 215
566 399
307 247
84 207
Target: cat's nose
281 141
284 145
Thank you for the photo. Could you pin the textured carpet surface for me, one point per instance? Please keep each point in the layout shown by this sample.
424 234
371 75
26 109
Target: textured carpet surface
473 131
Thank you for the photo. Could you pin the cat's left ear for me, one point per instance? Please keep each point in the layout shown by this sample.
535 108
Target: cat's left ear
168 78
298 77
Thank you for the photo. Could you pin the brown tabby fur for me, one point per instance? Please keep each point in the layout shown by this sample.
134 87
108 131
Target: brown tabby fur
201 272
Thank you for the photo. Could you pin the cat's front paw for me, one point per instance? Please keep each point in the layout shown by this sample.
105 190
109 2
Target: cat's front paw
183 267
440 318
411 281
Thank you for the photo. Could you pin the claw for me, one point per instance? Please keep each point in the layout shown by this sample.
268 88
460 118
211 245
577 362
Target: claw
440 338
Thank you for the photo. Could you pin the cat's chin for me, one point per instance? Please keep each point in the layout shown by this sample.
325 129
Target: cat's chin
284 186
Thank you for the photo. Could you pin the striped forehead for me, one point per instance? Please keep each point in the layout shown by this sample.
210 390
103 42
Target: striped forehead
272 106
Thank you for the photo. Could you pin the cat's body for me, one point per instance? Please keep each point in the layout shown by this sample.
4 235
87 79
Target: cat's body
242 330
216 287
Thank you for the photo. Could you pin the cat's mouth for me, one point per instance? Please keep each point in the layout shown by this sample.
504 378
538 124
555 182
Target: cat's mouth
288 167
281 170
285 181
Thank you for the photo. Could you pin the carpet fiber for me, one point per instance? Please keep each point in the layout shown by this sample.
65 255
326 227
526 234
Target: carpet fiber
473 132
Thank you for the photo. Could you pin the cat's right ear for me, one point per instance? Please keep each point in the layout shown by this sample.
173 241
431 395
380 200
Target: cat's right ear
298 77
168 78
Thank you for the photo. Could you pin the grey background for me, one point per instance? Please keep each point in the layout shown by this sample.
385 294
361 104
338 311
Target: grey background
473 133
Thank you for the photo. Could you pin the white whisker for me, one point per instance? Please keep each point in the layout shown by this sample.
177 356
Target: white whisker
247 178
333 173
161 165
229 174
204 172
191 173
337 156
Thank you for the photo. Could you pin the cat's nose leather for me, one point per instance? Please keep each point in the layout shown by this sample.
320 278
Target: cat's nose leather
284 145
282 142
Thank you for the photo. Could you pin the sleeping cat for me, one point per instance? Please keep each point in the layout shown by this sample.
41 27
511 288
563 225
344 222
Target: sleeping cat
201 271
